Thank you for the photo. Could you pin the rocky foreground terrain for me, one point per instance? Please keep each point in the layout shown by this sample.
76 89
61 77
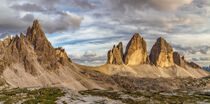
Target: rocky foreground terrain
95 96
33 71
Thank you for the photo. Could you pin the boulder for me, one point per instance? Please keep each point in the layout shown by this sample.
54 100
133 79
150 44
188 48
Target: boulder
60 52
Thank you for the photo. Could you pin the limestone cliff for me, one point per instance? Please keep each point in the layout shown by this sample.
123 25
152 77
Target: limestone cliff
161 54
45 51
178 60
115 55
120 48
136 51
61 53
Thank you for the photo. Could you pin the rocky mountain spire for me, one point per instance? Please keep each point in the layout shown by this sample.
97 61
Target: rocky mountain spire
46 53
115 55
36 36
178 60
161 54
120 48
136 51
7 41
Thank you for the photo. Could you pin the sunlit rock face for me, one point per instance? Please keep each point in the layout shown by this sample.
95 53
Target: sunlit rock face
61 53
136 51
161 54
115 55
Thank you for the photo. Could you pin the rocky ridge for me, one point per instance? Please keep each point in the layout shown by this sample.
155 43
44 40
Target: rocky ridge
30 60
161 54
178 60
33 46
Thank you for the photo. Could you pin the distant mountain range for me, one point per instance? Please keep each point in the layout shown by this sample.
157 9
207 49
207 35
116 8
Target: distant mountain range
207 68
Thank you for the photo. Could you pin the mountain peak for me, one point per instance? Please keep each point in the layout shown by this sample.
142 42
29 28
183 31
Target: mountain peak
136 35
136 51
120 48
46 52
36 24
161 39
162 53
115 55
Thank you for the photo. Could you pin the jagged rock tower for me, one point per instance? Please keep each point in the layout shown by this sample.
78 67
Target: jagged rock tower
136 51
32 48
161 54
115 55
135 54
178 60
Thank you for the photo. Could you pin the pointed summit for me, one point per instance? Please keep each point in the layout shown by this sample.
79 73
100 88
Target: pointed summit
136 51
35 33
120 48
162 53
115 55
36 24
44 49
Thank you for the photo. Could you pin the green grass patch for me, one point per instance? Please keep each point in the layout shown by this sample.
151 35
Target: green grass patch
25 96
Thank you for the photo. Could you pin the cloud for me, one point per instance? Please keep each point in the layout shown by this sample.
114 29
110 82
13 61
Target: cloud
28 7
17 16
204 58
28 18
191 49
195 59
89 58
62 23
96 25
160 5
82 4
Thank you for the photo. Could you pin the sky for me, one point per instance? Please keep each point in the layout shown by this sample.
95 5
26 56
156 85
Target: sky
87 29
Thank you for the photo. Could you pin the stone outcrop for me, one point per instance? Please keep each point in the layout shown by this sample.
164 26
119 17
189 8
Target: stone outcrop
136 51
161 54
194 65
120 48
115 55
61 53
178 60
